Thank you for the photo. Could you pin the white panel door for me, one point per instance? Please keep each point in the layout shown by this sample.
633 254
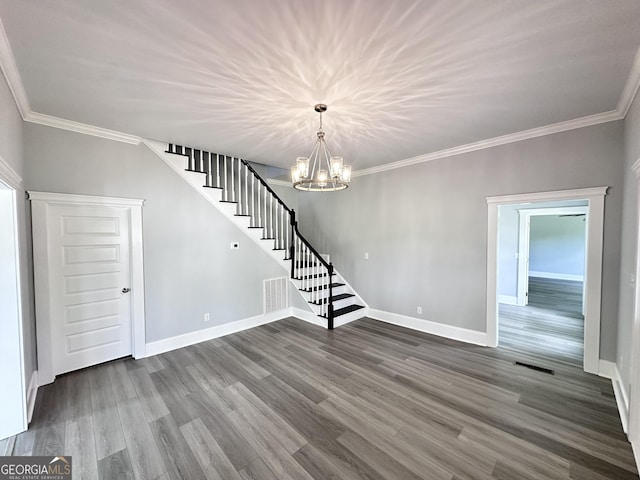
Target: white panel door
89 283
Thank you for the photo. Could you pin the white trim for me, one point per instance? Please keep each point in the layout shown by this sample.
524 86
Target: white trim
635 446
9 176
631 87
593 269
19 300
10 70
138 320
557 276
538 212
434 328
64 124
581 122
72 199
575 194
524 238
191 338
508 299
634 361
308 316
610 370
32 394
40 202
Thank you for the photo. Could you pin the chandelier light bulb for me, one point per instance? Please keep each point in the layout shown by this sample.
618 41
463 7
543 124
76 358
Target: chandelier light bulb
346 173
336 167
302 164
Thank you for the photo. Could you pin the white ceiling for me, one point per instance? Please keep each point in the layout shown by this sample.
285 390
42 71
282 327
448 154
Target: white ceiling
401 78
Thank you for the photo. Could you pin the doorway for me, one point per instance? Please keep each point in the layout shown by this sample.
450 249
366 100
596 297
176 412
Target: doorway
541 257
88 275
593 263
13 412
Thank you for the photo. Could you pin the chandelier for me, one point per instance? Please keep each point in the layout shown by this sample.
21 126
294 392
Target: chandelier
320 172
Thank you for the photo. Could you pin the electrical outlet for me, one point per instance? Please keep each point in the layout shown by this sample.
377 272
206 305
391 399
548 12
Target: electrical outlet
207 317
419 310
366 255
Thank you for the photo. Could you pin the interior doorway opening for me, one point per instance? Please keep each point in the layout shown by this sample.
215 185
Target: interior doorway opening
593 264
541 256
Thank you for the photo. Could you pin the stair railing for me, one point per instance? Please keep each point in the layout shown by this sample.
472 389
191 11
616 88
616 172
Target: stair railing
254 198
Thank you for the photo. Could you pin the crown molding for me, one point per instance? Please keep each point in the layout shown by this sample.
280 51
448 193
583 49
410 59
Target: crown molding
631 87
78 127
581 122
9 175
10 70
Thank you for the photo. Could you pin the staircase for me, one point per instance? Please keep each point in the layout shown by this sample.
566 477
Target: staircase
236 189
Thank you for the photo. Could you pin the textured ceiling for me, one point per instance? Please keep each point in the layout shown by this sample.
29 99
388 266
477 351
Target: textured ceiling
401 78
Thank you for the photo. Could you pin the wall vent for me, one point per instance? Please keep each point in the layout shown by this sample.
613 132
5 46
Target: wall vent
275 294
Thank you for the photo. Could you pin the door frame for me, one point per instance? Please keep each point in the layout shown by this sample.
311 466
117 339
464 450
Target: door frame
13 181
634 368
40 203
593 263
524 244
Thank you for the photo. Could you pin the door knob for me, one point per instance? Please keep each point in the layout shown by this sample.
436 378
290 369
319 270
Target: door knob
126 290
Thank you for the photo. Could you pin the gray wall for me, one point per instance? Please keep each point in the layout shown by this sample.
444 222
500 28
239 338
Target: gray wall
425 226
557 245
629 242
11 142
189 266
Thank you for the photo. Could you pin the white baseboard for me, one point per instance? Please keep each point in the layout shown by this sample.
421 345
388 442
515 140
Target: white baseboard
31 395
557 276
508 299
434 328
610 370
636 453
191 338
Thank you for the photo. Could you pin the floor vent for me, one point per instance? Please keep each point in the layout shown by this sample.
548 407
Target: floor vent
275 294
536 368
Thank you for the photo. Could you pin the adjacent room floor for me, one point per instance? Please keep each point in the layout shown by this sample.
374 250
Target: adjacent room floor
290 400
551 326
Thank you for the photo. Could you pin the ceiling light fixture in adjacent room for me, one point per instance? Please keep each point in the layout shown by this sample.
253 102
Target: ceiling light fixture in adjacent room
320 172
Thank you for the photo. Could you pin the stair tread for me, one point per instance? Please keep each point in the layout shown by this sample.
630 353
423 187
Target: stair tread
344 310
336 298
194 171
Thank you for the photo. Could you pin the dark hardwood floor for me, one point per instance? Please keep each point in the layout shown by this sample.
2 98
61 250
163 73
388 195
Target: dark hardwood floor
551 327
290 400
